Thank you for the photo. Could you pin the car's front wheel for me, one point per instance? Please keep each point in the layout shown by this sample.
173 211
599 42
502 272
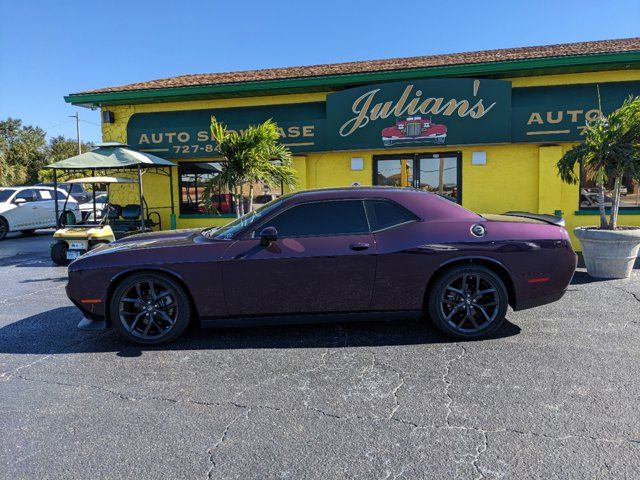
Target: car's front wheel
149 309
468 301
4 228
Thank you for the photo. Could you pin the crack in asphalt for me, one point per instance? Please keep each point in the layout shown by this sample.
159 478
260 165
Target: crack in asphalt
479 451
447 384
633 294
7 375
211 451
636 297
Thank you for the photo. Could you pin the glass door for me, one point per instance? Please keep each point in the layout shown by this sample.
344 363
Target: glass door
431 172
395 172
438 174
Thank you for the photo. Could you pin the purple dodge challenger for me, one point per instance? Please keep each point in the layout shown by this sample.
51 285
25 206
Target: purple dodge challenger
332 254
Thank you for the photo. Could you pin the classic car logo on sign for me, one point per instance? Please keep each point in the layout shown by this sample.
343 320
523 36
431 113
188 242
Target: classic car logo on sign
414 130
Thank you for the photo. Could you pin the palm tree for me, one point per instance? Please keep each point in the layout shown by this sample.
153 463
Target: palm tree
610 150
251 156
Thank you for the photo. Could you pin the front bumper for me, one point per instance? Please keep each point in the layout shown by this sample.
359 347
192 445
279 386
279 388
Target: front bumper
86 293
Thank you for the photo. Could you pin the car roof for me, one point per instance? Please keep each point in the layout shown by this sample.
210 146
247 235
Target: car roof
424 204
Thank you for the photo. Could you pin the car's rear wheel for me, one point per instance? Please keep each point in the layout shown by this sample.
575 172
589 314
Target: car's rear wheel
4 228
149 309
59 253
468 301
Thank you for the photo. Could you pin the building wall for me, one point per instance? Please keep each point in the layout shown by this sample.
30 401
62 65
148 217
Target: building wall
516 176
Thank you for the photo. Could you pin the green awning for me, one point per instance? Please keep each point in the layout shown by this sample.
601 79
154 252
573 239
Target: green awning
111 155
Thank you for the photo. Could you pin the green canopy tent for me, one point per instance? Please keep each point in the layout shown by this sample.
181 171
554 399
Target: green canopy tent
116 156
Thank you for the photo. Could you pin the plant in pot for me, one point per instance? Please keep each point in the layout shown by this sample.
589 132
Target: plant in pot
610 150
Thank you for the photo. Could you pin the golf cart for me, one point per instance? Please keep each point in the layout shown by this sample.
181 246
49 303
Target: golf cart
108 222
74 240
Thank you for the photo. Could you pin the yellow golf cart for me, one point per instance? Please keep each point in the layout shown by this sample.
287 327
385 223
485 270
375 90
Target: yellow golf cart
74 240
107 222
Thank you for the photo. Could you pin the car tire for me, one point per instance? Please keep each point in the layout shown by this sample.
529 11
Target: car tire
149 309
67 218
4 228
59 253
468 302
28 232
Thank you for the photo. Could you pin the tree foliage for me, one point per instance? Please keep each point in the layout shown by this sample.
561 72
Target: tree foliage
24 151
610 150
251 156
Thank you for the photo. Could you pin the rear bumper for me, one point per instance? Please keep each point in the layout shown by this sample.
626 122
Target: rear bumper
542 287
537 301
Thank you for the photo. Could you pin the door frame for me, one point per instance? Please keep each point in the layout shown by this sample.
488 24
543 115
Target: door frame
416 171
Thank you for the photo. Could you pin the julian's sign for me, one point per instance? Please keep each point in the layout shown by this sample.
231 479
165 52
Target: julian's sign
443 111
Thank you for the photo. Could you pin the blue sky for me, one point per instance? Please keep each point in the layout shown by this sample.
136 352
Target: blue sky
52 48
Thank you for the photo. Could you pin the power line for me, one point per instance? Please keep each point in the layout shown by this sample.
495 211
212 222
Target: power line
58 125
92 123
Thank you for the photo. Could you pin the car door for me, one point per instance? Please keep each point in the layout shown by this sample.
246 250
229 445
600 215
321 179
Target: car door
46 207
26 215
322 261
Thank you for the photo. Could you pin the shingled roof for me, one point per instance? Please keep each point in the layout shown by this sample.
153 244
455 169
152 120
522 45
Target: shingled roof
406 63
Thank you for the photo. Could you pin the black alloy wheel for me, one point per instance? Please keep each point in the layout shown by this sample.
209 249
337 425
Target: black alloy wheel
468 302
149 309
4 228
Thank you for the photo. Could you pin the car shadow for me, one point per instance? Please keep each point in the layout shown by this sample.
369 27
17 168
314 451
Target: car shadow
582 277
55 332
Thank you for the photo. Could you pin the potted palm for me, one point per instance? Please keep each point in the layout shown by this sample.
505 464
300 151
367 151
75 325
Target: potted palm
251 156
610 150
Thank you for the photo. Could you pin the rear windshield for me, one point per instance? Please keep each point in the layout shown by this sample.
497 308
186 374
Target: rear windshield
5 194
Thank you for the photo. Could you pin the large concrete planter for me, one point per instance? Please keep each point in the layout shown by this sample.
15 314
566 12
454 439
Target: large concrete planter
609 253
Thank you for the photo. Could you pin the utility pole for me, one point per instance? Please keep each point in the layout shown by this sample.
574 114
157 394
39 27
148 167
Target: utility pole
77 117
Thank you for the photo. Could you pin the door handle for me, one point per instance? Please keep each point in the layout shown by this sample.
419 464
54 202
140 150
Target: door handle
359 246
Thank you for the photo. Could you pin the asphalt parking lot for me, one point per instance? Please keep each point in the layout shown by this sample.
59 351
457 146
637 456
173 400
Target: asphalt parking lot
555 395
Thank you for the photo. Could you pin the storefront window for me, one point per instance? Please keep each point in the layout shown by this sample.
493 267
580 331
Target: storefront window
429 172
197 181
629 193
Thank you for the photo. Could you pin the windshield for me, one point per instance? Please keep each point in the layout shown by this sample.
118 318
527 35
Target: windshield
6 194
228 231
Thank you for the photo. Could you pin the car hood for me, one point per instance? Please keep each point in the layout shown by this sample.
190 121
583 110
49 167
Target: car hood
157 239
142 241
6 206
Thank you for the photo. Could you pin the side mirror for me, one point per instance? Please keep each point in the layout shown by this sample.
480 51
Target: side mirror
268 235
19 201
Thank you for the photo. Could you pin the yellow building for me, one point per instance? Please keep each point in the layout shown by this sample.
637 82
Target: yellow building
486 128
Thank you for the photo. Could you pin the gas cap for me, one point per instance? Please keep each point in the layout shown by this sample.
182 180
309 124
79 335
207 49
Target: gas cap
478 230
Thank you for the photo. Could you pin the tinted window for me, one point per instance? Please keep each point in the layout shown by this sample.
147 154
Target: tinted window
384 214
5 194
321 218
28 195
76 188
61 195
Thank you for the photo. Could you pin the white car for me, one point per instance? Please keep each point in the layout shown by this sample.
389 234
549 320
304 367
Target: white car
87 208
26 209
